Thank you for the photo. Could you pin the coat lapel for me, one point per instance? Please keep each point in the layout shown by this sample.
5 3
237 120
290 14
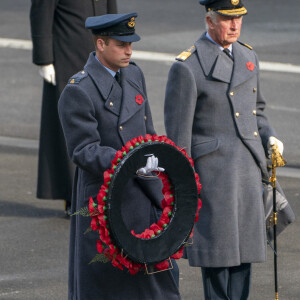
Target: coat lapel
106 84
131 100
214 62
124 99
245 65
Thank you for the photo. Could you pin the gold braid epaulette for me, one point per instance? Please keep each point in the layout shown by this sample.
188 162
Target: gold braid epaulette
246 45
186 53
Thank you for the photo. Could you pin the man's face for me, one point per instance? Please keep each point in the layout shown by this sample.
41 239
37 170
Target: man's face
225 30
115 54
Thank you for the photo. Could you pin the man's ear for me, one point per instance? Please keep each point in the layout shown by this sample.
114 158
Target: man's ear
209 22
100 44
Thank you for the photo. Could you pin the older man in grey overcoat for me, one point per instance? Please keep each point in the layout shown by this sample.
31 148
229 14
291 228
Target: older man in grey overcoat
214 109
99 113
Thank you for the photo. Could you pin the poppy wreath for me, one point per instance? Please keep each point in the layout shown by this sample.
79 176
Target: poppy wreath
103 214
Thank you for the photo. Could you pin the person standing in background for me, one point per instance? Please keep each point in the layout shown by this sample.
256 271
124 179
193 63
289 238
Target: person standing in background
61 46
214 108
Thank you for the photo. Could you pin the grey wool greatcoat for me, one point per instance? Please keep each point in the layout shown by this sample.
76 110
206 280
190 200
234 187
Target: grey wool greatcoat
214 108
98 118
60 38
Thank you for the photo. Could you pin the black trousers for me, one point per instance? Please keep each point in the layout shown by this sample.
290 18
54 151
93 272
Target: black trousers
231 283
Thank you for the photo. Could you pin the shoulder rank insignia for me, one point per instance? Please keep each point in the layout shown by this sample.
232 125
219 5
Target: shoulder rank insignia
246 45
186 53
77 77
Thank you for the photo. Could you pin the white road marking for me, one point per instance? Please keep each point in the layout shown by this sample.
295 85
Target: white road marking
10 293
15 44
155 56
284 108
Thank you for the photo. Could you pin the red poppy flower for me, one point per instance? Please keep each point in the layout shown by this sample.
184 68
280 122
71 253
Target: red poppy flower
91 205
102 220
128 145
116 263
140 139
139 99
101 208
118 157
170 142
94 223
107 176
148 137
162 266
134 268
250 66
155 228
178 254
102 193
162 138
198 208
99 246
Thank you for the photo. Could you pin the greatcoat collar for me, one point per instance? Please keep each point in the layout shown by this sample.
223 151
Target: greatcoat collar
217 64
124 99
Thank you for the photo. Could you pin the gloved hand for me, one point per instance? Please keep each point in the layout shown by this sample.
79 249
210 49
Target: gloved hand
151 165
273 141
48 73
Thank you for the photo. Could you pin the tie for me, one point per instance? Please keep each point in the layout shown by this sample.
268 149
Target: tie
118 78
227 52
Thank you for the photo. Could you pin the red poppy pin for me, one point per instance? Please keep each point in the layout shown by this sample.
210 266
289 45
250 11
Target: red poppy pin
250 66
139 99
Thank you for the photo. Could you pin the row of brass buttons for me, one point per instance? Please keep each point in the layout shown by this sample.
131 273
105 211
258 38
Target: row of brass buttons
121 127
232 93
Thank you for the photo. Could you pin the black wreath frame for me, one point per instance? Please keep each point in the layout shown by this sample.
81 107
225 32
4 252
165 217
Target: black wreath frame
176 234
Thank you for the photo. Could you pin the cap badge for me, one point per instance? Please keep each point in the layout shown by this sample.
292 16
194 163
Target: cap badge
250 66
139 99
131 23
235 2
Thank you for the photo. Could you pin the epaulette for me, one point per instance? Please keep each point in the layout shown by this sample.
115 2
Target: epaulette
75 79
246 45
186 53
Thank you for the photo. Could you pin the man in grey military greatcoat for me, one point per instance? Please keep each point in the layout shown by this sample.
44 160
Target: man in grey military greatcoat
101 108
214 108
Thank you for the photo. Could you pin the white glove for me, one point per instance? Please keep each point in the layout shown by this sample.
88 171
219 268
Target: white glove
151 165
48 73
273 141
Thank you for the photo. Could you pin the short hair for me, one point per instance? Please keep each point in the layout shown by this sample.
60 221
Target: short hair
213 16
104 38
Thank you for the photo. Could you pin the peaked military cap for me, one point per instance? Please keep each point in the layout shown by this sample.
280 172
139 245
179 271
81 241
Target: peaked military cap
232 8
117 26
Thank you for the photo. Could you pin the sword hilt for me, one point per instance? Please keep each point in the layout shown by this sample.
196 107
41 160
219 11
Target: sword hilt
277 161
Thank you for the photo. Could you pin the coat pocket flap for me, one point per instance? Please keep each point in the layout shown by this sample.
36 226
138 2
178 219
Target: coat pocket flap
204 147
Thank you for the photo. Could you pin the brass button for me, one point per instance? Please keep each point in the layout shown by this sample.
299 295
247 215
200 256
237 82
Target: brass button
255 133
82 72
254 90
254 112
145 118
237 114
231 93
121 128
111 104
